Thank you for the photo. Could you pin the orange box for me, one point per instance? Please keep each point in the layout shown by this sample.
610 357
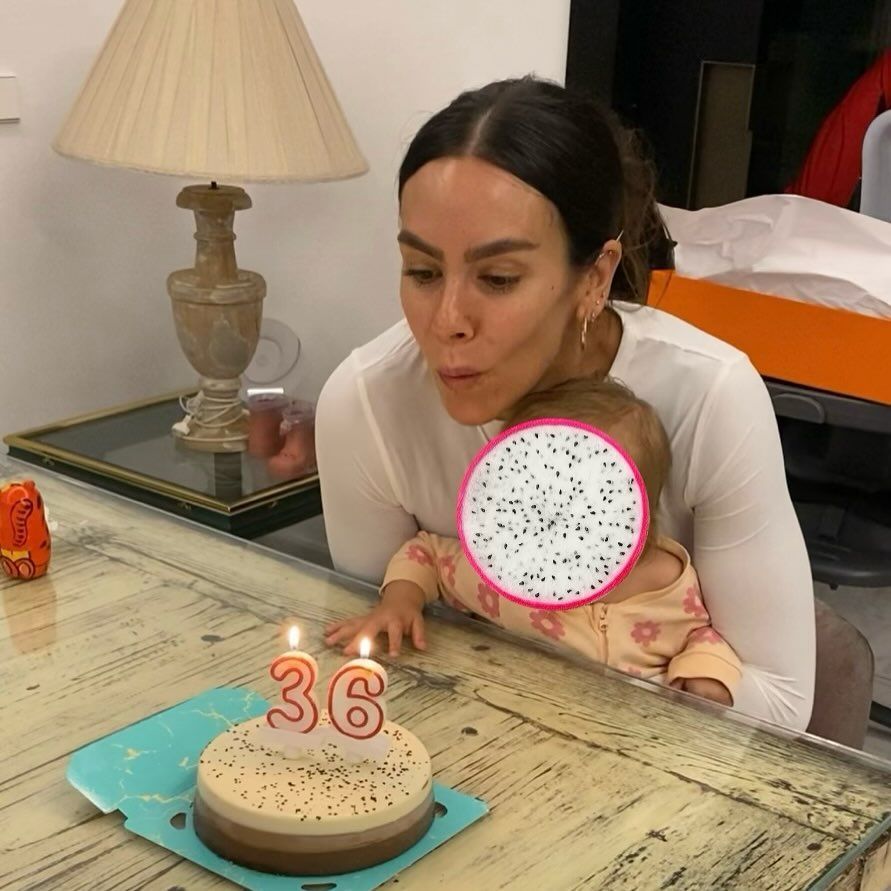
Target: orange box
801 343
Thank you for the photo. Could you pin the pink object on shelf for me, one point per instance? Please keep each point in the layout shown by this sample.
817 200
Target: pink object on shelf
264 424
298 454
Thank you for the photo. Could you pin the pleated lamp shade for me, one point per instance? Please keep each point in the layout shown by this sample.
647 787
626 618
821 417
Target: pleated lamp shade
228 90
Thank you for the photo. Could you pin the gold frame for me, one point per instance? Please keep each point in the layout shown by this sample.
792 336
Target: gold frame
51 454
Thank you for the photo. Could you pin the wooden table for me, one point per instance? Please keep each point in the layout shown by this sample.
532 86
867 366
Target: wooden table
595 781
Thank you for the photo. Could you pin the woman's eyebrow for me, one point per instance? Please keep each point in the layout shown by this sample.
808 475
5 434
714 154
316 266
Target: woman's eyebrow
415 241
482 252
502 246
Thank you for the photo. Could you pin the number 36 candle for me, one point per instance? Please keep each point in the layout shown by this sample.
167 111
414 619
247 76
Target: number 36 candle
355 706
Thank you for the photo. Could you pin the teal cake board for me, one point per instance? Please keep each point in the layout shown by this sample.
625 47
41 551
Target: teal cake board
147 771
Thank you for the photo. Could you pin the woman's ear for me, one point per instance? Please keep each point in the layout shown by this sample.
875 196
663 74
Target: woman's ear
607 263
586 294
593 289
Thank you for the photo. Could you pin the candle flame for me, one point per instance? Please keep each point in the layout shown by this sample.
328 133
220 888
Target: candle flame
293 637
365 648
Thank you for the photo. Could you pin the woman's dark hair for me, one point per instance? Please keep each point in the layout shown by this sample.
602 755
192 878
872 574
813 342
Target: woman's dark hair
569 148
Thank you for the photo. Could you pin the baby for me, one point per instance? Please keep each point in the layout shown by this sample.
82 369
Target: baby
652 625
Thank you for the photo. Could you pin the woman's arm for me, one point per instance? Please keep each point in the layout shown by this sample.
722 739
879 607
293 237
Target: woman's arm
364 519
749 550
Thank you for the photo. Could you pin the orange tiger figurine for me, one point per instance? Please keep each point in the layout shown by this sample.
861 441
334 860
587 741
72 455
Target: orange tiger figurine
24 534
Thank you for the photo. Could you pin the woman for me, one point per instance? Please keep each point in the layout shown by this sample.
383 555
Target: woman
512 201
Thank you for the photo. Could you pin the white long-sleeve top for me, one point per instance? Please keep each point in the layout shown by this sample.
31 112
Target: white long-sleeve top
391 462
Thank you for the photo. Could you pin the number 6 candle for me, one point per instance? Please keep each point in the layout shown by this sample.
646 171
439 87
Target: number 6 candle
297 672
356 696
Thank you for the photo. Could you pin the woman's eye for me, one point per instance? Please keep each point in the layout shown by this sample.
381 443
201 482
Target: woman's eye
500 282
420 276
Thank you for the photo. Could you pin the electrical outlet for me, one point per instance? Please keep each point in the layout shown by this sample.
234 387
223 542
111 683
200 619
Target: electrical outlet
9 99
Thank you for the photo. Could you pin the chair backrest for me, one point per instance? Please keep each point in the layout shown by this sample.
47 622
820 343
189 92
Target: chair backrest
843 692
875 185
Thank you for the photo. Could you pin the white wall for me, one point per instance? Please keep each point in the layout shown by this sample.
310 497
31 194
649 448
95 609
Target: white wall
84 251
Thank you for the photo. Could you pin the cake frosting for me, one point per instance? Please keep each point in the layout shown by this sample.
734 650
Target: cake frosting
314 813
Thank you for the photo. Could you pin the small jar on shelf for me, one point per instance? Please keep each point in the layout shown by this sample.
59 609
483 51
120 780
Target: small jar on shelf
297 456
265 415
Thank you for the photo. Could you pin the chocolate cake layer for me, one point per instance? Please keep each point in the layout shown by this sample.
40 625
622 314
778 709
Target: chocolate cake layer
295 854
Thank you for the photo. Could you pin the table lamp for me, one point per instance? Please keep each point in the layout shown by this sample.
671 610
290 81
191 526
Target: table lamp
214 90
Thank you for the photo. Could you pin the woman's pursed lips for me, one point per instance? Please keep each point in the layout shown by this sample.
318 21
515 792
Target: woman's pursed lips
458 376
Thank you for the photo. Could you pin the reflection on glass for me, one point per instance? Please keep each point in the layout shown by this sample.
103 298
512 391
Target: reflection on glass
139 441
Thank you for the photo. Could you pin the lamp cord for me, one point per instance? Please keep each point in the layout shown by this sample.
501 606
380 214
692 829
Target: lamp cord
211 412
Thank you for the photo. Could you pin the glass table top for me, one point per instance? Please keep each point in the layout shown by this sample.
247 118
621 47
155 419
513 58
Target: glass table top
136 442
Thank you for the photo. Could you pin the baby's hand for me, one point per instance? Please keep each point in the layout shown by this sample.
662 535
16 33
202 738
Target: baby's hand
708 688
400 612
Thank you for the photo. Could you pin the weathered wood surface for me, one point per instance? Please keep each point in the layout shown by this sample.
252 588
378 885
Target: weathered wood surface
594 782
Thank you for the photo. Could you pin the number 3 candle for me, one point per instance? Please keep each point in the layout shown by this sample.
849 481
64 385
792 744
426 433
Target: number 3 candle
356 696
297 672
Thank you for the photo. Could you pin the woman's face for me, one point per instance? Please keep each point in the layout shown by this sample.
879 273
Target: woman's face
487 288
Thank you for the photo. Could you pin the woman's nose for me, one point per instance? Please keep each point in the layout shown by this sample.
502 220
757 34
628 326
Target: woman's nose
452 320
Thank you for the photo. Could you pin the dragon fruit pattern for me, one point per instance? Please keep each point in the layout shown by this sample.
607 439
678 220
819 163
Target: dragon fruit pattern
552 514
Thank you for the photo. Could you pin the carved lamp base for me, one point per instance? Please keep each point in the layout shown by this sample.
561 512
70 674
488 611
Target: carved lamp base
217 309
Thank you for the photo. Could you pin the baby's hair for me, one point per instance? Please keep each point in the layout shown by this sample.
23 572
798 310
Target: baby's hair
611 407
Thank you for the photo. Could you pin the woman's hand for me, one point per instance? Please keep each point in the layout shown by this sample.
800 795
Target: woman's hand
400 612
708 688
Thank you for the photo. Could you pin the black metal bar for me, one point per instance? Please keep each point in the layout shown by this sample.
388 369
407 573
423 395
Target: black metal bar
880 714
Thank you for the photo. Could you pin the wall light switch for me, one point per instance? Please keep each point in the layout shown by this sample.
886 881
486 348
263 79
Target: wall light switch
9 98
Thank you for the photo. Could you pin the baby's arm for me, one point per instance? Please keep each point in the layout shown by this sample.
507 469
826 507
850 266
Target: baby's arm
436 567
419 563
706 661
421 569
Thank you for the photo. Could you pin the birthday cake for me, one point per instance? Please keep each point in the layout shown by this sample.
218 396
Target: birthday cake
314 812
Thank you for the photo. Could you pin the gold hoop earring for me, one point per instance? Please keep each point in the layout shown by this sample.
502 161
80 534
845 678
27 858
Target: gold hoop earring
590 318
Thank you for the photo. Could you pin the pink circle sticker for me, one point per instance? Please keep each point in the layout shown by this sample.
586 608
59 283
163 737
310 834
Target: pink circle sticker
552 514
